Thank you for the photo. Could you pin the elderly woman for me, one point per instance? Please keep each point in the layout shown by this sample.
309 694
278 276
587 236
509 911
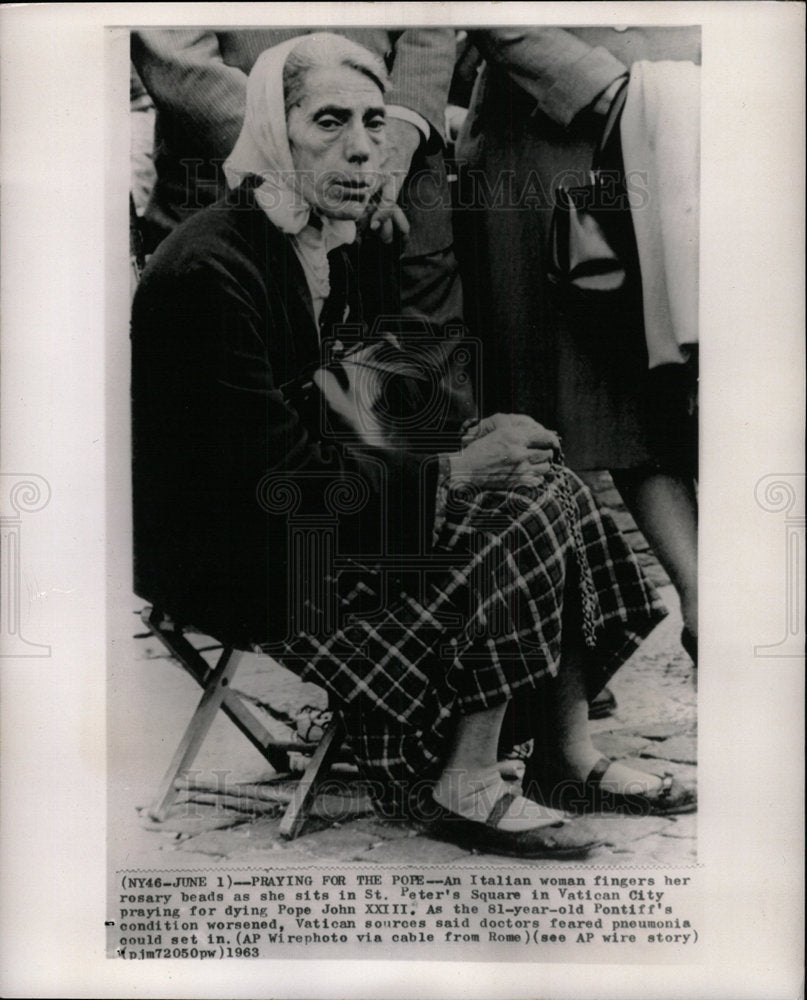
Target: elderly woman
476 589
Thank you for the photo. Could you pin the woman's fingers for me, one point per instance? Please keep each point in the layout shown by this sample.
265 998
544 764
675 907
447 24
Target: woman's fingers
387 218
485 426
539 456
527 430
531 470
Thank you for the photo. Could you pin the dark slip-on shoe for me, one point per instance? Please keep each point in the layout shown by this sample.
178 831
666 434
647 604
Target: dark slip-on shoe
557 840
589 795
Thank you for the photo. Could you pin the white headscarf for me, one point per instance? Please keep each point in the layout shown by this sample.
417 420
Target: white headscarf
263 150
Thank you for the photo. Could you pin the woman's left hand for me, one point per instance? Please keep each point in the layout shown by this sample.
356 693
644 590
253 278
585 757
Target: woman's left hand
538 436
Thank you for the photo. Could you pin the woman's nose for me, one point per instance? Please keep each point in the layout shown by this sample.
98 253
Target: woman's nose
358 145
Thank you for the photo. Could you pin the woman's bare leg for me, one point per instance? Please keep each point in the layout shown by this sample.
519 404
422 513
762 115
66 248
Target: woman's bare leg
664 506
477 739
576 753
471 781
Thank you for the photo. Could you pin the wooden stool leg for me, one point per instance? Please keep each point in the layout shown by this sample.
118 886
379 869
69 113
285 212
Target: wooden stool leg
192 661
211 700
306 790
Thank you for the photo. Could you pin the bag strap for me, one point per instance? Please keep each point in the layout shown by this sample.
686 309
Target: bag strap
611 122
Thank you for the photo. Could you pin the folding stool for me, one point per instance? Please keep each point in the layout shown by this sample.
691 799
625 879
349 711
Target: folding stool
218 693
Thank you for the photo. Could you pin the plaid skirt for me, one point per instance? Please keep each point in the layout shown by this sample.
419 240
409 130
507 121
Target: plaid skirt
480 621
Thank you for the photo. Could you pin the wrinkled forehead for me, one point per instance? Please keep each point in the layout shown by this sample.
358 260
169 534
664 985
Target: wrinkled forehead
339 87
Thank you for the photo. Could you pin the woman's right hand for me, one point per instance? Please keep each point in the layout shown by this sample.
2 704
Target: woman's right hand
502 450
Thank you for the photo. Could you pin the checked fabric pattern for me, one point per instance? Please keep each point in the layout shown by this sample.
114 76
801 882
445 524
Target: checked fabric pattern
473 636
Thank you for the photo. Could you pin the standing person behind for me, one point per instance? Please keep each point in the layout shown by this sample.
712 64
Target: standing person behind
197 80
537 112
142 142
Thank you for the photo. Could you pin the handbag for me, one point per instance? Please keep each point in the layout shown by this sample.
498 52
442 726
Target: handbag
592 260
412 393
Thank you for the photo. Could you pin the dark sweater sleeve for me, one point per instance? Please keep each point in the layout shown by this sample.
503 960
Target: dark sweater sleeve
246 439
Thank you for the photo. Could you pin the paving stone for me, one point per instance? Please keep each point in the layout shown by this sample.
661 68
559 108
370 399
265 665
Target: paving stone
618 832
180 858
655 574
341 808
623 520
651 730
681 749
218 843
415 851
259 835
189 818
610 497
617 745
669 852
337 843
617 855
384 829
685 826
641 547
647 560
281 858
501 860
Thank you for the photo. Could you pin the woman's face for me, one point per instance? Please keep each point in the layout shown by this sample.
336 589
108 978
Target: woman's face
337 140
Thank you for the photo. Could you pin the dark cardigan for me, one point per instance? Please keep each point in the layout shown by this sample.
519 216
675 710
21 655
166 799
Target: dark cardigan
221 320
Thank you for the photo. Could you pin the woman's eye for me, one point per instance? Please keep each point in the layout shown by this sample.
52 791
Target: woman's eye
329 124
376 124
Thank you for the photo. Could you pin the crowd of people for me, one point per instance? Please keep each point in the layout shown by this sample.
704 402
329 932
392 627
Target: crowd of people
330 219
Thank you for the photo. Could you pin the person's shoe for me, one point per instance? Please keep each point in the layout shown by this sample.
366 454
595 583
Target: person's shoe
555 838
590 795
602 705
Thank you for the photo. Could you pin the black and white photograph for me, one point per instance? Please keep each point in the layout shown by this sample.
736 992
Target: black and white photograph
414 440
411 389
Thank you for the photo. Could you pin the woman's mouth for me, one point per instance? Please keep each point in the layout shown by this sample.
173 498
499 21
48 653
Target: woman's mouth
354 190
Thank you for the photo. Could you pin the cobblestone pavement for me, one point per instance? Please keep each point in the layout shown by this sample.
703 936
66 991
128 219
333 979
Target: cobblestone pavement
232 810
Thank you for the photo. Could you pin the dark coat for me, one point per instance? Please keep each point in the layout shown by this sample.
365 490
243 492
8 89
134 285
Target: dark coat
221 320
528 131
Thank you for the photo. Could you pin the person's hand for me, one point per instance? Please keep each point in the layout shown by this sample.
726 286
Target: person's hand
539 435
510 452
351 395
403 139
